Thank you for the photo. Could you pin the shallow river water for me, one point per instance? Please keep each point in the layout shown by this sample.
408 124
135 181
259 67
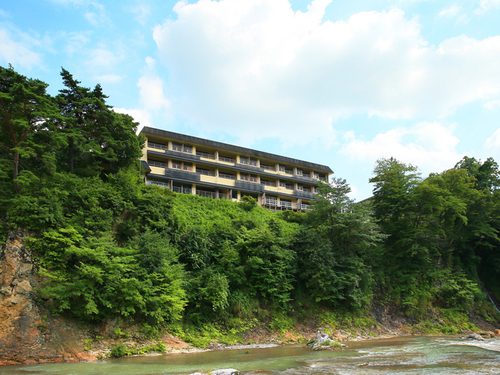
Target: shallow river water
405 355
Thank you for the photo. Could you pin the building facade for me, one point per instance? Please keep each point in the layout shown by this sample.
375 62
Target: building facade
192 165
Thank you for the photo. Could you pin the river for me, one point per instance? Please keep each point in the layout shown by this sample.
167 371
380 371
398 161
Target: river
403 355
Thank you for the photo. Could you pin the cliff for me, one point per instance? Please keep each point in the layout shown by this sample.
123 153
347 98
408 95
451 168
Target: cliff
27 334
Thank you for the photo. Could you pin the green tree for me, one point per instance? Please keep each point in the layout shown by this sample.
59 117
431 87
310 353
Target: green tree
336 248
28 119
97 137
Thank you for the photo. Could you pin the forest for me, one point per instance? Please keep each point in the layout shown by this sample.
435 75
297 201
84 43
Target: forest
107 245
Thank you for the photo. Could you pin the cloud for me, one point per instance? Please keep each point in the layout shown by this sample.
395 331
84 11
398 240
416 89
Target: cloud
19 52
428 145
109 78
257 69
142 12
492 146
451 11
141 116
95 12
492 104
151 91
98 16
454 11
487 5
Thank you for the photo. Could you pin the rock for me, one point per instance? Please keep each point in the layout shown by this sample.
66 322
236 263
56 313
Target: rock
26 335
475 336
323 342
228 371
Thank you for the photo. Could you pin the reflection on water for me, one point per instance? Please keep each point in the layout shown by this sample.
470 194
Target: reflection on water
407 355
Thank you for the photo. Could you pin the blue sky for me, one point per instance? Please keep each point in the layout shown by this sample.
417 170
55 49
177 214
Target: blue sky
341 83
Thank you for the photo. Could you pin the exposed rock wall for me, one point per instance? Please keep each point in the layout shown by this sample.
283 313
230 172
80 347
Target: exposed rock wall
27 335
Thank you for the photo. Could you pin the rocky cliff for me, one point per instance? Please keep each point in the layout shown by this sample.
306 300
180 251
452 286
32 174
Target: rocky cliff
27 333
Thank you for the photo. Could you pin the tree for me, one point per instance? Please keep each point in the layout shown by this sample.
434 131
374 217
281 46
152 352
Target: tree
97 137
486 173
335 249
28 118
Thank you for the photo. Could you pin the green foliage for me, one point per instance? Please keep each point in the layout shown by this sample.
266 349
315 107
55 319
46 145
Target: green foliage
119 350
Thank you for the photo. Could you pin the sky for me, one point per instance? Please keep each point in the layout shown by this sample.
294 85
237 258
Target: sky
339 83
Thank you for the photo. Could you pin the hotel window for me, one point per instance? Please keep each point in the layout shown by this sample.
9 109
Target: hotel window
176 164
188 167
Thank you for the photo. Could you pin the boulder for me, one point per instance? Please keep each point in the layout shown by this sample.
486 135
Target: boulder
475 336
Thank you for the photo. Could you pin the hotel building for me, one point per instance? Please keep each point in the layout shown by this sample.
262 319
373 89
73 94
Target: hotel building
192 165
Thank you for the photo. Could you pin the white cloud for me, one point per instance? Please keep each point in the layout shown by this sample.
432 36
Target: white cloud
258 69
98 16
109 78
492 146
141 116
151 91
487 5
454 11
492 104
428 145
102 58
142 11
451 11
18 52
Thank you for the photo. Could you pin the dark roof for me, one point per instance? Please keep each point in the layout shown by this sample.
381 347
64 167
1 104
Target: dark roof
238 149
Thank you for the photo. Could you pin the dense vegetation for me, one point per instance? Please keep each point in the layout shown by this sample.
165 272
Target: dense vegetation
108 245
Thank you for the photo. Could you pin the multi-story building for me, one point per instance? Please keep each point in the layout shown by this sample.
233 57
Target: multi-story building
192 165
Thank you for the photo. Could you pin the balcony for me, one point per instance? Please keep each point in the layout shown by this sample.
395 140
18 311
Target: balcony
158 146
226 159
182 190
248 186
303 194
205 172
182 175
205 155
158 183
268 183
271 202
227 176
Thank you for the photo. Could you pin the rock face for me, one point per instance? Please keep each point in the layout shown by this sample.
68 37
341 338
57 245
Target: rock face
26 335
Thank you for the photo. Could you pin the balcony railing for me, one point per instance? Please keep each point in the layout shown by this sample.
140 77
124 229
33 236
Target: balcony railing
267 168
206 194
158 183
227 176
205 155
272 202
158 146
205 172
268 183
159 164
181 189
226 159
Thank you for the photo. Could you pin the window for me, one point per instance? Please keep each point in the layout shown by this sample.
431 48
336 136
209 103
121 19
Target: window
176 147
187 166
176 164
